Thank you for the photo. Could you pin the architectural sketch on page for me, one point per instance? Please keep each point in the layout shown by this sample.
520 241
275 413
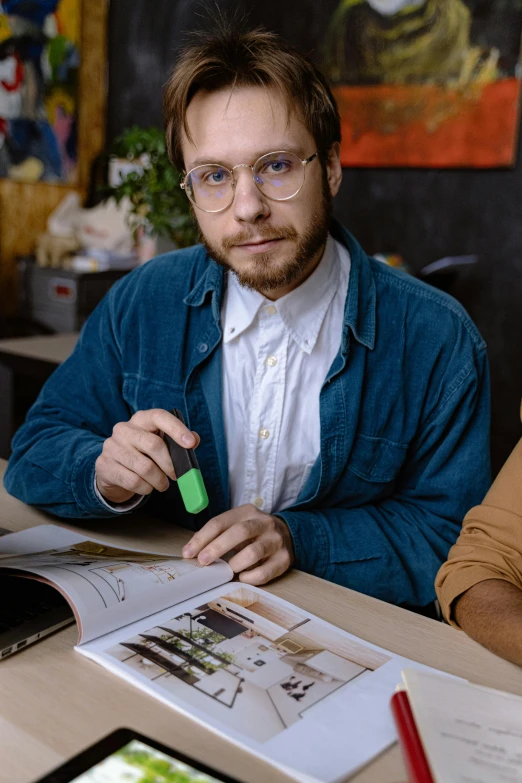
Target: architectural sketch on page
106 586
107 575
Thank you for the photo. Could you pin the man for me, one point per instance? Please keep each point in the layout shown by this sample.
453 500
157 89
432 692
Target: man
341 407
480 587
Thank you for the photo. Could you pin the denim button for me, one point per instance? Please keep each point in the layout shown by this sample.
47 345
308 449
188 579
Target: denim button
203 347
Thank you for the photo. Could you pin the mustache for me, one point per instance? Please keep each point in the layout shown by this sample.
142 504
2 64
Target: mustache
263 232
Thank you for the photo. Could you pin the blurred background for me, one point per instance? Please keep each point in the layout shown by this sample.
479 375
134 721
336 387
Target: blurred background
429 93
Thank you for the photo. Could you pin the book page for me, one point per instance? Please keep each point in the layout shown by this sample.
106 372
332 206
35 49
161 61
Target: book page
470 734
265 674
106 587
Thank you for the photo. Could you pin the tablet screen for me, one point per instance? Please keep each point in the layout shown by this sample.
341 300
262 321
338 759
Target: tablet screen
128 757
137 762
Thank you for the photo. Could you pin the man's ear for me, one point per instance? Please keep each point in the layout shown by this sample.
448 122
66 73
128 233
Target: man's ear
334 172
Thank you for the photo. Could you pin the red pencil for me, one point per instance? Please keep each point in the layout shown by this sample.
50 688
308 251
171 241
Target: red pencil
412 750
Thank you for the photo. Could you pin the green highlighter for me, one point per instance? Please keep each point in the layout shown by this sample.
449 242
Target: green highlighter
188 474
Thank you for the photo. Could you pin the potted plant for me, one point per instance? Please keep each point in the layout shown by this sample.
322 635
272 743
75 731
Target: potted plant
140 171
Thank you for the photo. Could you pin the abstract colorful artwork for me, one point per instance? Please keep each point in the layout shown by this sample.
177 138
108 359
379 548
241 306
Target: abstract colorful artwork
39 66
423 83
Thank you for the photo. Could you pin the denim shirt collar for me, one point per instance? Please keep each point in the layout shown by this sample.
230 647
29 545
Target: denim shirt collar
360 307
211 280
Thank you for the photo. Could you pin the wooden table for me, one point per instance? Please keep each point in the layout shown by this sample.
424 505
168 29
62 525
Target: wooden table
55 702
36 357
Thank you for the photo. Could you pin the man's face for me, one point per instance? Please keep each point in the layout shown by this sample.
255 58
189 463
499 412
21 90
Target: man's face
271 246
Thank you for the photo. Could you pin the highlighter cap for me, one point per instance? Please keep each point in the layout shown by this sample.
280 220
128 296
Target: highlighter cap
193 491
188 474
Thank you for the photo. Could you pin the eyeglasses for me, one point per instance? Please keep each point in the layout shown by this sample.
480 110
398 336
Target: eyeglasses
278 175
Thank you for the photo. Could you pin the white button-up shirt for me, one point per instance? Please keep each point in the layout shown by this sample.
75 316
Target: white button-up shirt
276 356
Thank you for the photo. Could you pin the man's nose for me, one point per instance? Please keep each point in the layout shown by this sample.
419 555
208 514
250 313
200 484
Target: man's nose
249 203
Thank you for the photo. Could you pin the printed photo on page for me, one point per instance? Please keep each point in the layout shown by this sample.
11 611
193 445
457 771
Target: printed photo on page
266 674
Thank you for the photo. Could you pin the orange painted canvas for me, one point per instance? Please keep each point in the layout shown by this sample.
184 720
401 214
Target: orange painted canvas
415 88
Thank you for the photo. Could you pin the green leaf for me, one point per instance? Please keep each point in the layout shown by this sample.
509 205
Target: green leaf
155 195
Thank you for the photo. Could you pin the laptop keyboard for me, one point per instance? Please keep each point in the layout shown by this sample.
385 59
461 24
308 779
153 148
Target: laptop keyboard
21 600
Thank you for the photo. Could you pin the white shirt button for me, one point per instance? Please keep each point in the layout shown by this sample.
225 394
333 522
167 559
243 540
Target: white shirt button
271 361
258 502
263 433
270 310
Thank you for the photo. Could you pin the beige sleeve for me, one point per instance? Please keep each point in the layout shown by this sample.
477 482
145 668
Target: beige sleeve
490 544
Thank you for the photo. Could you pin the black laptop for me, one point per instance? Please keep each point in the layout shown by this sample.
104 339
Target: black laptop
29 610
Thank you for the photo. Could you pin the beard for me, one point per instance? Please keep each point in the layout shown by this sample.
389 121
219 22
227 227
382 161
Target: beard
263 272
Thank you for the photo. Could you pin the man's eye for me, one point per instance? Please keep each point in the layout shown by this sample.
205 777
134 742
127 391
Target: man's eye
216 177
277 167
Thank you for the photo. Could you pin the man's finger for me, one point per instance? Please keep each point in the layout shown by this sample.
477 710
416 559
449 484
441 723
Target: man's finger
276 565
246 530
159 419
258 550
214 527
136 441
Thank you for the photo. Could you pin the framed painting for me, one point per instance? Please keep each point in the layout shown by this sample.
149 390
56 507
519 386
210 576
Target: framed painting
429 83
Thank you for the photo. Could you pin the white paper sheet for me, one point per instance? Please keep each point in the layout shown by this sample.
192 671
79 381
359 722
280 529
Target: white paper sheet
470 734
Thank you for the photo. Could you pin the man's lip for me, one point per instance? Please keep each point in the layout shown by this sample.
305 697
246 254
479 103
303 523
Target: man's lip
256 242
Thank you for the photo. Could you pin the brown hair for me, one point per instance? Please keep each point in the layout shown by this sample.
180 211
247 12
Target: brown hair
233 58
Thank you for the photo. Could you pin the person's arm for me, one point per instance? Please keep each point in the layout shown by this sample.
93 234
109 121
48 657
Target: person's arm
491 613
81 452
480 585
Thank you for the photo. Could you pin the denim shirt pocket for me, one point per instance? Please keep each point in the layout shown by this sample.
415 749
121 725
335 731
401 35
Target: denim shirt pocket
372 468
142 393
377 460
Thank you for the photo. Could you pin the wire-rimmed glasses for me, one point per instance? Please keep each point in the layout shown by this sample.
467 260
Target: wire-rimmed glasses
278 175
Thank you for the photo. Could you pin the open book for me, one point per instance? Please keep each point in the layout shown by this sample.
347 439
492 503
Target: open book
261 672
106 587
453 731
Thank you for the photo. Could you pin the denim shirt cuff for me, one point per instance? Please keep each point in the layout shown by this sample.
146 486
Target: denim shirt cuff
83 482
310 538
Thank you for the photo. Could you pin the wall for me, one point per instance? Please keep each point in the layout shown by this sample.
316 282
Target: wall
422 214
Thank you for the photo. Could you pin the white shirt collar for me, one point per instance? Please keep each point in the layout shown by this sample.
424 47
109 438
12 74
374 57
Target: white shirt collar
302 310
241 306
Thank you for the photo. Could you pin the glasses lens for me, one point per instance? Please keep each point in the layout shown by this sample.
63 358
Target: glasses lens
210 187
279 175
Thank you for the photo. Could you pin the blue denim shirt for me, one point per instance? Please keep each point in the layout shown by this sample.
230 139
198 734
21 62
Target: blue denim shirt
404 415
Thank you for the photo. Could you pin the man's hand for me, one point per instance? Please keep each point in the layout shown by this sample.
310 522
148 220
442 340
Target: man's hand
264 542
135 459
